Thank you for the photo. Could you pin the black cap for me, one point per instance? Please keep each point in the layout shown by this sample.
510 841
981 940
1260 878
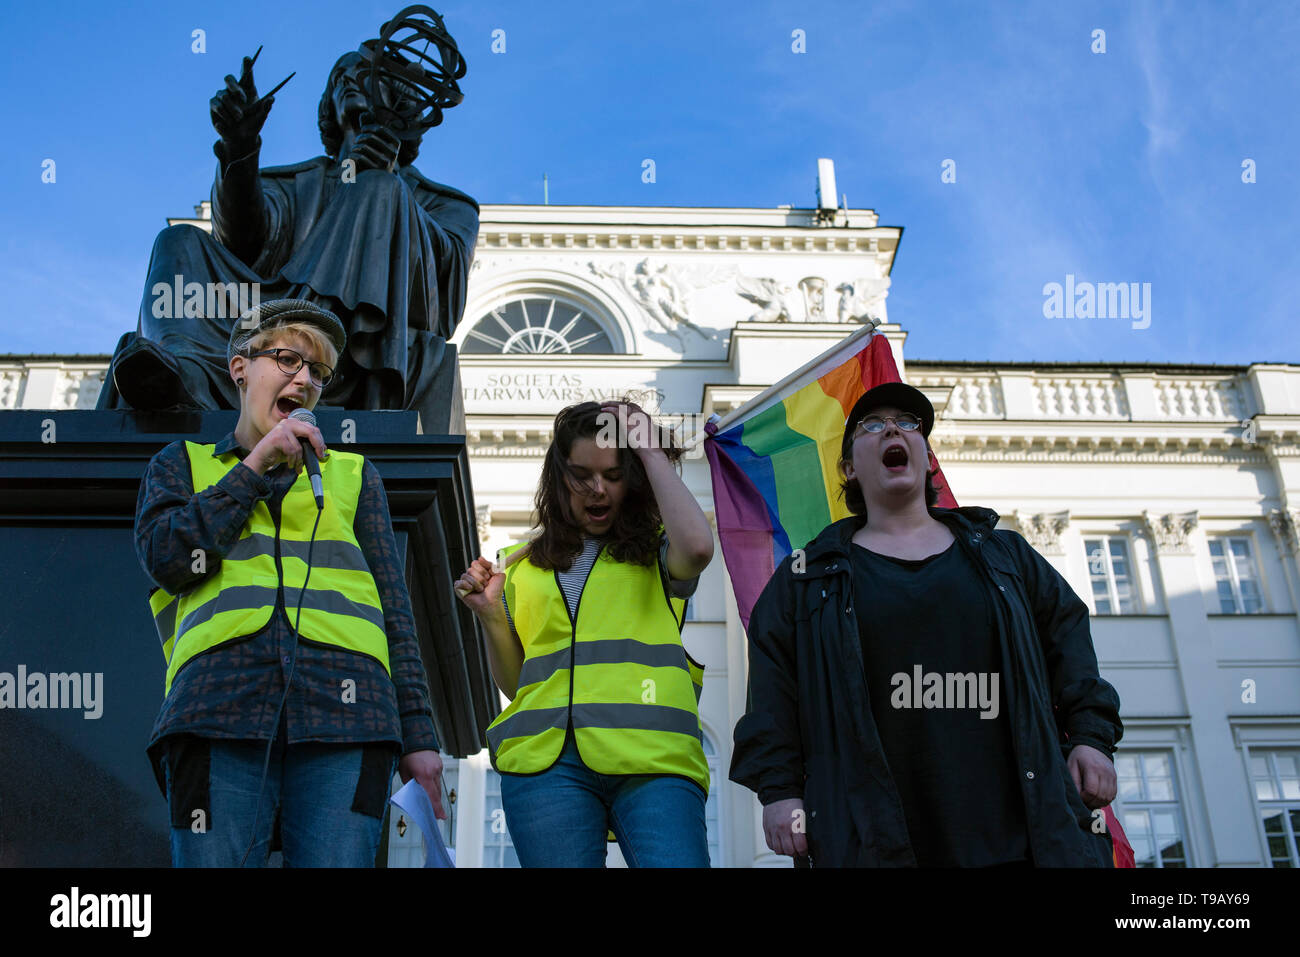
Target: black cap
901 396
276 312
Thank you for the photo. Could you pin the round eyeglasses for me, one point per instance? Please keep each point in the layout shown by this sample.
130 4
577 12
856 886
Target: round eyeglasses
876 423
290 362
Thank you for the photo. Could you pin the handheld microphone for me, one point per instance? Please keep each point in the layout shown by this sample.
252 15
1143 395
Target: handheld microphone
309 458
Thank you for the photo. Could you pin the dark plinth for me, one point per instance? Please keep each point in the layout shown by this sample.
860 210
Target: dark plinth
79 791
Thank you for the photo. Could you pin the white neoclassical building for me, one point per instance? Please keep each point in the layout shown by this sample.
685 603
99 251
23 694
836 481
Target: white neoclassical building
1168 496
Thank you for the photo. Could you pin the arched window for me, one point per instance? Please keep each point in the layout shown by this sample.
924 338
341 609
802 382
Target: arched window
539 322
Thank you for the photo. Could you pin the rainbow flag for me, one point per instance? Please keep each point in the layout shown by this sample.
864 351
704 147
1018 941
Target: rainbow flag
774 461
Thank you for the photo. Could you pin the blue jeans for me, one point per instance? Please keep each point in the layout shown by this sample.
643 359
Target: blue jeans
315 789
559 818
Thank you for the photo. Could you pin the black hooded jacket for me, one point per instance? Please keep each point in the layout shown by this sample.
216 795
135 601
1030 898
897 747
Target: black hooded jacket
808 731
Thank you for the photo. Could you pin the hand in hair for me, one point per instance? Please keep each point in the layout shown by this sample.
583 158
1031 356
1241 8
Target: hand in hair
637 429
690 539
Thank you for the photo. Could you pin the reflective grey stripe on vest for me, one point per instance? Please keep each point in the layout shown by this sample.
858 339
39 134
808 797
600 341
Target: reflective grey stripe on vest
165 620
543 666
610 651
244 597
336 603
525 724
326 554
230 599
642 717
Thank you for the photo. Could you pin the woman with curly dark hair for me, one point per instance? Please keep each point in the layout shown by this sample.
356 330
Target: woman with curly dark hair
583 629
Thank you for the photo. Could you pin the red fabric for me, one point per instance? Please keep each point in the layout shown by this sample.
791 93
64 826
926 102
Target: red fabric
878 366
1123 853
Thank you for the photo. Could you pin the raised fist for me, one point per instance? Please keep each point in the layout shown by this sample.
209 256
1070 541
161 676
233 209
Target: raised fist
479 589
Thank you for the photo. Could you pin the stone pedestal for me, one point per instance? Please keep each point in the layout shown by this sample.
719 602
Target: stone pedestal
76 788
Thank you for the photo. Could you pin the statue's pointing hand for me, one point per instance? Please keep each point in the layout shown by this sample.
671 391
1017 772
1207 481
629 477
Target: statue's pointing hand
237 116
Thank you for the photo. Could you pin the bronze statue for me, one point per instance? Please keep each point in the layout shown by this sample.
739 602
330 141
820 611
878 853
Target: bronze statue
359 231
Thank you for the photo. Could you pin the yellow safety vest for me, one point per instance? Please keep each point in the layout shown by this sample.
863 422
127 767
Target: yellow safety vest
341 606
617 671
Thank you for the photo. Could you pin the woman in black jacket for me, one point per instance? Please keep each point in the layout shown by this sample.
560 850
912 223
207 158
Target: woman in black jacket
923 689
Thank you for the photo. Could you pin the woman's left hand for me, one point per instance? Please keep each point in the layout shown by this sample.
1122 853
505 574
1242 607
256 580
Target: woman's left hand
425 767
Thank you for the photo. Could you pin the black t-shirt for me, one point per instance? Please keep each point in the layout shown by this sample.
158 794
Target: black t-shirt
933 668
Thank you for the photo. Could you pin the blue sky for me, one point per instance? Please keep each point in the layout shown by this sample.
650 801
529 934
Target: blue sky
1122 166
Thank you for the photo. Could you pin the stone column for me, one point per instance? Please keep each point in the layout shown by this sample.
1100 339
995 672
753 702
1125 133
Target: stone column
1285 523
1233 838
1275 429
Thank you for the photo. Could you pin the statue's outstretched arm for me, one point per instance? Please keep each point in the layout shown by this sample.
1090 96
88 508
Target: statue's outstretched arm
238 209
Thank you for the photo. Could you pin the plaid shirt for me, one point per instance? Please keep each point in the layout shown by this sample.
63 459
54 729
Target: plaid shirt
233 690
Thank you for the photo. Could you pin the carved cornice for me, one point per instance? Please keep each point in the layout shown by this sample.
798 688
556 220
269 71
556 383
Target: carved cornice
1023 442
1169 532
882 241
1043 530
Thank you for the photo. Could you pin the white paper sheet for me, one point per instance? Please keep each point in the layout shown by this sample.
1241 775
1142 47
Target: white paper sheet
412 799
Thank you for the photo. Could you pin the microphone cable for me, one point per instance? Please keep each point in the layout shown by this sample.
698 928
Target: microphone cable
293 663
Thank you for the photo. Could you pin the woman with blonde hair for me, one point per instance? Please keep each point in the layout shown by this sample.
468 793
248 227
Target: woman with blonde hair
293 675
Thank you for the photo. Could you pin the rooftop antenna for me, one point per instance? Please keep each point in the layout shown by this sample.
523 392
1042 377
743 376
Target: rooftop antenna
546 190
825 192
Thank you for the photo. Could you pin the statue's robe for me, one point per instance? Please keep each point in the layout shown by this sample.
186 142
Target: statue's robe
389 253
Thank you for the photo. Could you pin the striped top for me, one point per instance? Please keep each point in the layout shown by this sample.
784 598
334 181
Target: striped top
574 579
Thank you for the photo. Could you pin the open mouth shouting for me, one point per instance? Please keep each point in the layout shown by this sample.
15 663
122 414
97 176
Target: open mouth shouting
285 405
895 458
598 514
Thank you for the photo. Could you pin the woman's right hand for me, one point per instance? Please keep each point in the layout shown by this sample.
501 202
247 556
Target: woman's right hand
284 444
479 589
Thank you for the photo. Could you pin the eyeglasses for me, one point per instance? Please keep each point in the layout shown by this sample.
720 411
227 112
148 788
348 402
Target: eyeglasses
290 362
876 423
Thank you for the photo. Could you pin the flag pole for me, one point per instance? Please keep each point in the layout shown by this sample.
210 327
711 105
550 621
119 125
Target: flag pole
867 330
